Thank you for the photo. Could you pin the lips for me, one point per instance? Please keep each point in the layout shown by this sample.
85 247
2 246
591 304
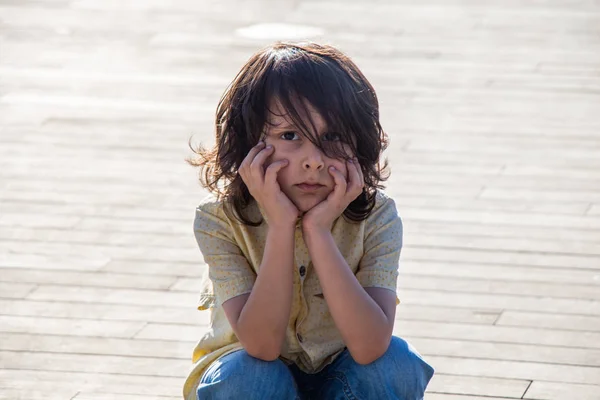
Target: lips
309 187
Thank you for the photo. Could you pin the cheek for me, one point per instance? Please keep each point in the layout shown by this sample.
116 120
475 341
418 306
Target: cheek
341 166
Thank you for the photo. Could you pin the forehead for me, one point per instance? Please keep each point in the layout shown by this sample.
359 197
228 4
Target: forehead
279 117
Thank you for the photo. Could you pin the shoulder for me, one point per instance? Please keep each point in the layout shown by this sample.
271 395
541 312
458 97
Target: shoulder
383 215
383 199
210 203
384 206
210 212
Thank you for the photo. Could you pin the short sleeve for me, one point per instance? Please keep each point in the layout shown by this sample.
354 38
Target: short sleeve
378 266
229 272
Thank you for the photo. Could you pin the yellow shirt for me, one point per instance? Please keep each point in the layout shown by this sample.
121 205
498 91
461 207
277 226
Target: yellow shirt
233 252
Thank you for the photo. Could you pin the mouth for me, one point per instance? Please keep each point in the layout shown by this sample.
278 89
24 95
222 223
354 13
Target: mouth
309 187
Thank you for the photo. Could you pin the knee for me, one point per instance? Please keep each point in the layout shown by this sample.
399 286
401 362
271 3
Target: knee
401 373
238 375
405 362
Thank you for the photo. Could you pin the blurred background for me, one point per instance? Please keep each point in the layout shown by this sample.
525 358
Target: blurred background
493 110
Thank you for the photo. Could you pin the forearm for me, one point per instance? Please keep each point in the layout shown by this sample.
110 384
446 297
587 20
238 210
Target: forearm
364 326
263 320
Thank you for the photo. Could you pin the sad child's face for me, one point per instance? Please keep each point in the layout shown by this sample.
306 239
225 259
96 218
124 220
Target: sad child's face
306 180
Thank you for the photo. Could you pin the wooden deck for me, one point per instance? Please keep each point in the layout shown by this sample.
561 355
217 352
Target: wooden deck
493 109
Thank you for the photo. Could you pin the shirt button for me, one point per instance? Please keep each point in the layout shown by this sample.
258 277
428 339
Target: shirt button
300 338
302 270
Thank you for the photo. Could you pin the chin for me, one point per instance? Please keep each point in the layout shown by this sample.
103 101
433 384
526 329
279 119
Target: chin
305 205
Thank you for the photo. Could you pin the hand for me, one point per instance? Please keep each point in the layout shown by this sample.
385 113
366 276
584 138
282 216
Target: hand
263 186
322 216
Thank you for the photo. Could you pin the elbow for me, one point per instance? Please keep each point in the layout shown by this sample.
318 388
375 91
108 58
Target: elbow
366 358
266 350
369 353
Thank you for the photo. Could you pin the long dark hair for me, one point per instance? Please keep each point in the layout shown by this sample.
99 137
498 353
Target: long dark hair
318 74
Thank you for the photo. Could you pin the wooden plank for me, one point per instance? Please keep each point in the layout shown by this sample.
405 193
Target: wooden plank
552 195
45 261
65 326
41 221
412 312
549 246
515 370
572 291
549 321
69 344
560 391
146 366
476 386
37 394
72 278
498 301
499 231
556 260
507 351
120 396
120 312
157 268
443 396
497 272
172 213
102 252
113 296
154 331
123 199
536 170
15 290
491 334
97 382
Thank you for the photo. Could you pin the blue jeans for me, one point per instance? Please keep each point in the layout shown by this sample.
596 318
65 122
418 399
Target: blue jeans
400 374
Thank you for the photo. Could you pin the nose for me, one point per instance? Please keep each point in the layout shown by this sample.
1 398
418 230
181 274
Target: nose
313 158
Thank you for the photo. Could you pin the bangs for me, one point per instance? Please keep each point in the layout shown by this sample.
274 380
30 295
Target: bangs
299 79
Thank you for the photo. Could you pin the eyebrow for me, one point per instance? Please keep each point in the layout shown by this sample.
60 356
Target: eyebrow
284 125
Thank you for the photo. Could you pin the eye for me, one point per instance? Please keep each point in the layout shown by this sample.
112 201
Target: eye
332 137
290 135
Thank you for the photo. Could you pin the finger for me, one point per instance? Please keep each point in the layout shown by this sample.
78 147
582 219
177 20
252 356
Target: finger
340 183
256 166
273 170
356 181
251 154
360 173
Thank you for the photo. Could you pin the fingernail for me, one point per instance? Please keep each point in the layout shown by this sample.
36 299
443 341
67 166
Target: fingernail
351 161
270 146
332 168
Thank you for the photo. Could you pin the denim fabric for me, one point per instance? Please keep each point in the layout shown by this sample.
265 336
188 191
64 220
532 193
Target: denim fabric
400 374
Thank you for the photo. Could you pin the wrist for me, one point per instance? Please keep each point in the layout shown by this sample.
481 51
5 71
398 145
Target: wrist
282 226
313 233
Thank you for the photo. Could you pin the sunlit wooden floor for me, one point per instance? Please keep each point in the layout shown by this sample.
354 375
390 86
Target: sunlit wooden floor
493 109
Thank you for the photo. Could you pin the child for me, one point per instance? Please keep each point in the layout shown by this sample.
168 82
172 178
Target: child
302 248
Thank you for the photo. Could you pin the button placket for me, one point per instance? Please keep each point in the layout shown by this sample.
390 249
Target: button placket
301 259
